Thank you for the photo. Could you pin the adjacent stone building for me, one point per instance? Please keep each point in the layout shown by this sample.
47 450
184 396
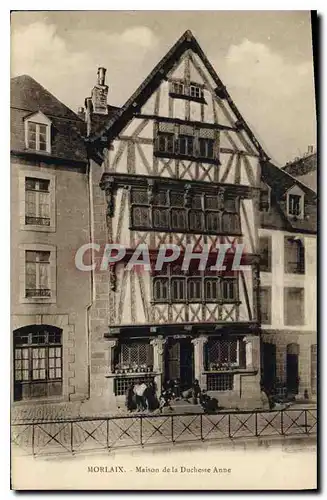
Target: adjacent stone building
288 273
49 221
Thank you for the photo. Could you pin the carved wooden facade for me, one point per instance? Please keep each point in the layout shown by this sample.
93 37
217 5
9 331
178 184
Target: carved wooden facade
180 166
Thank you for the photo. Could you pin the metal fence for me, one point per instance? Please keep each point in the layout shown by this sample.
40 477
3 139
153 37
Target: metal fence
98 433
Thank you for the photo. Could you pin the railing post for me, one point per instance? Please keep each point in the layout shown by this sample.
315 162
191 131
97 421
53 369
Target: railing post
229 435
33 437
141 433
201 426
71 437
108 433
256 423
282 422
172 428
306 421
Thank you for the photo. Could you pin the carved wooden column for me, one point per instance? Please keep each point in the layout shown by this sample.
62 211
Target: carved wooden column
158 360
111 346
199 343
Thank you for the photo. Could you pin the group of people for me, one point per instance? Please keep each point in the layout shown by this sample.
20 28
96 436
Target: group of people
142 396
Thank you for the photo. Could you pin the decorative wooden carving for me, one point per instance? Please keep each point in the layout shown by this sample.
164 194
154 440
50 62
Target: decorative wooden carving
187 195
110 197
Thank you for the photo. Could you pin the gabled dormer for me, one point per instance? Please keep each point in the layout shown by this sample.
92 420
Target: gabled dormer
295 202
38 132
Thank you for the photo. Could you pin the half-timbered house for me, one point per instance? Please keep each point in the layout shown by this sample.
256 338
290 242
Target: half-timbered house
177 164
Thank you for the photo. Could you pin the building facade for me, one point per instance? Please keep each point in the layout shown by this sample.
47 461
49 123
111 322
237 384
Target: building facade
49 221
288 283
177 164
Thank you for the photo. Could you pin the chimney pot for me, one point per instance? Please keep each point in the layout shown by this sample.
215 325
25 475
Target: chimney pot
101 76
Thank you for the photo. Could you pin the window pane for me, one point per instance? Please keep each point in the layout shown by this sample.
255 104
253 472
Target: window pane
294 204
196 220
178 219
30 203
294 255
213 221
176 199
194 289
139 196
228 289
141 217
211 289
160 218
178 289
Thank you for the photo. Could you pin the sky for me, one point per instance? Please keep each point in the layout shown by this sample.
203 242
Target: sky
263 57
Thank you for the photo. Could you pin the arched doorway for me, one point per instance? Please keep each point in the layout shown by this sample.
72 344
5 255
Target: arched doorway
292 368
37 363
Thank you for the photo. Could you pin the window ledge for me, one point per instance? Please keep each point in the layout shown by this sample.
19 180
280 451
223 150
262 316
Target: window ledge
249 371
201 100
38 228
132 375
179 156
38 300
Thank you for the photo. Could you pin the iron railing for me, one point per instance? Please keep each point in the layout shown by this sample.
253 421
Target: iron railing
96 433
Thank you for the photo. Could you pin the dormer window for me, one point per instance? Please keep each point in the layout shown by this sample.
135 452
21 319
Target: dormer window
295 203
191 91
37 133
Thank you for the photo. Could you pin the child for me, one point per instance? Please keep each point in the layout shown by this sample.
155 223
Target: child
164 400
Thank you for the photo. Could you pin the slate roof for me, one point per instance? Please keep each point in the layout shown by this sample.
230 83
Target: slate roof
67 131
305 169
280 182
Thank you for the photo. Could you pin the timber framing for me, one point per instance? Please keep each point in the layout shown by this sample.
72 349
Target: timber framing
114 181
133 105
186 329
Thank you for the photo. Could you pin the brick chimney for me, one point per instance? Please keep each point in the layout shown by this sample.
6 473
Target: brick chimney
99 94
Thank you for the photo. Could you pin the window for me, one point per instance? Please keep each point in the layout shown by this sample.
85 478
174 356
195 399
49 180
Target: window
294 205
265 253
177 88
167 211
37 201
173 286
37 362
264 203
294 255
175 140
265 301
314 369
293 306
37 133
224 353
196 91
182 90
37 280
136 353
186 145
206 148
229 289
220 382
178 289
166 143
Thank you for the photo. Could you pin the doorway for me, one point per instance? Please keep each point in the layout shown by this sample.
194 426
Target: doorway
269 366
292 368
179 361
